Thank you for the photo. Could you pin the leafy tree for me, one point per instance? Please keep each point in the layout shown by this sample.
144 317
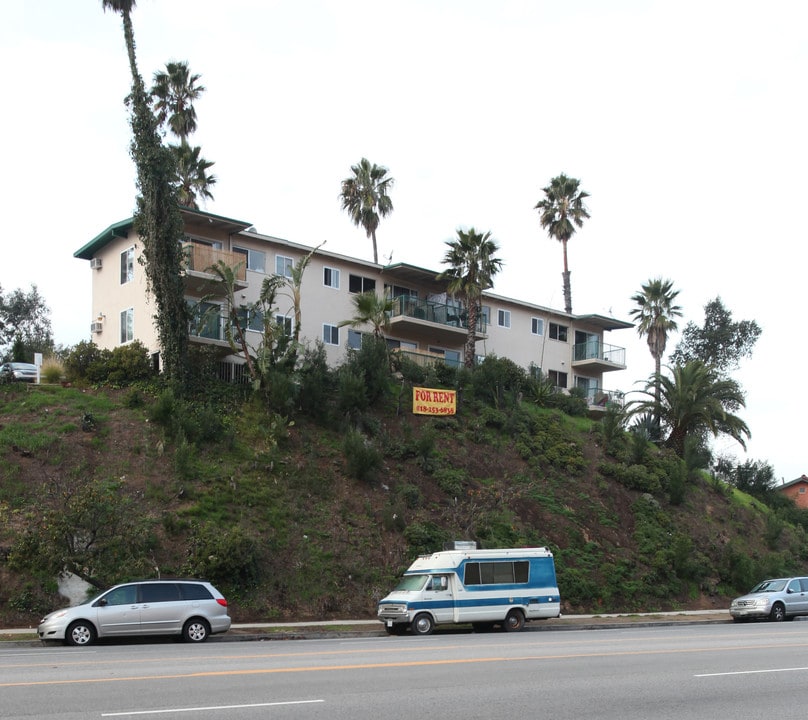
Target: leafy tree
656 316
472 266
90 528
25 326
157 218
364 196
294 286
692 400
752 476
561 211
720 342
371 309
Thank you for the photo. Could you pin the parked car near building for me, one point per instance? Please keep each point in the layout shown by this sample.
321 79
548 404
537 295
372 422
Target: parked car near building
776 599
193 609
18 372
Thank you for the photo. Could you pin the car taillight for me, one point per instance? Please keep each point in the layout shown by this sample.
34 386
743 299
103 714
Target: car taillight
221 602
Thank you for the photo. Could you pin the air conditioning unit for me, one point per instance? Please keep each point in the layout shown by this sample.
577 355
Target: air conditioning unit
95 263
96 327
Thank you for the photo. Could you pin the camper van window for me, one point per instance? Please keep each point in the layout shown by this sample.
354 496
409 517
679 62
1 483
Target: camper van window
496 573
412 582
437 582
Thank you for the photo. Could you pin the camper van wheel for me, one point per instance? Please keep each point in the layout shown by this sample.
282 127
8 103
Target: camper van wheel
515 620
423 624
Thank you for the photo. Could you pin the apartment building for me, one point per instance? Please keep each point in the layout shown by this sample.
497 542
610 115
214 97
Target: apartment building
426 322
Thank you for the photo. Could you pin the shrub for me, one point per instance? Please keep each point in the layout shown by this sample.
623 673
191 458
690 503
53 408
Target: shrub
52 370
362 458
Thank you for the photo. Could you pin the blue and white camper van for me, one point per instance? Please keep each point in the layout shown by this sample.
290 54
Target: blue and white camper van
482 587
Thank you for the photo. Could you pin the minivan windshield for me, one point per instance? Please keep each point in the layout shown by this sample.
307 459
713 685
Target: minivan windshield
769 586
412 583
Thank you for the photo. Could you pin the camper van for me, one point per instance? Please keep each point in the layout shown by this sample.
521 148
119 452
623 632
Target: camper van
483 587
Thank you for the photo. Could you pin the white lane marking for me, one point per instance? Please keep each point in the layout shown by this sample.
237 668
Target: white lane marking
210 707
753 672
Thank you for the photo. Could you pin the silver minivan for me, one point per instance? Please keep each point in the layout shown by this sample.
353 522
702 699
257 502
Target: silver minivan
777 599
193 609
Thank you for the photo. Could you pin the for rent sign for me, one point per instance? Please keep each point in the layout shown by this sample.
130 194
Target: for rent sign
426 401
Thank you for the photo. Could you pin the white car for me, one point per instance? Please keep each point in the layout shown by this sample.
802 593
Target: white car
193 609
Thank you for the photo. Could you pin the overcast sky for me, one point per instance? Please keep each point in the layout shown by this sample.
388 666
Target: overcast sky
685 120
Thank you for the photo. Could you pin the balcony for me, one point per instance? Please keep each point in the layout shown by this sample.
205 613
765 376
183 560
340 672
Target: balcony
432 322
598 357
601 400
427 359
199 258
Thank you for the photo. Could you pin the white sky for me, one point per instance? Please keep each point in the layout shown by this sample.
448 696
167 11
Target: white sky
685 120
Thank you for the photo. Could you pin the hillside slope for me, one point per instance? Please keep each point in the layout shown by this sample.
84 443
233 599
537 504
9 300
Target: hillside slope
274 515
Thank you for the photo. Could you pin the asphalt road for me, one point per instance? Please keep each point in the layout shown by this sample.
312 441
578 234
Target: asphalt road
699 672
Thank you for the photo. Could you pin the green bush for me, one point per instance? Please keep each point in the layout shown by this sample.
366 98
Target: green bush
362 458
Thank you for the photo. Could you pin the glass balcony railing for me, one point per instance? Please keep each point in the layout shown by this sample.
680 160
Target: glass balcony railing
450 315
595 397
597 350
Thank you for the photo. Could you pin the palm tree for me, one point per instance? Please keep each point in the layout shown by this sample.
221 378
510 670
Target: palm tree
193 181
655 315
157 219
472 266
561 210
371 309
173 95
364 196
693 400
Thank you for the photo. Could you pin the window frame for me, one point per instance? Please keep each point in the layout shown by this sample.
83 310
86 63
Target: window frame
128 265
331 330
556 330
288 265
127 325
504 318
334 277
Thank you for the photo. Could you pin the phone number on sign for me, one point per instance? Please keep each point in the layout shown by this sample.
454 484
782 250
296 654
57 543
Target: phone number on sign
434 410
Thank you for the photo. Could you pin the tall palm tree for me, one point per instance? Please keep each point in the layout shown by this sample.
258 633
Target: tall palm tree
173 95
371 309
693 400
364 196
561 211
193 180
157 220
656 316
472 266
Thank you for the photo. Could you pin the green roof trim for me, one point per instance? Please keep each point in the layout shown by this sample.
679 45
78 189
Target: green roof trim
121 230
118 230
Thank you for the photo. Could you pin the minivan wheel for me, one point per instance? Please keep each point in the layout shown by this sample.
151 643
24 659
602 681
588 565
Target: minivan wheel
423 624
195 631
514 621
778 613
80 633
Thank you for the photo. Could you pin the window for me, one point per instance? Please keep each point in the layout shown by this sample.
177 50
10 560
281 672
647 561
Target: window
504 318
485 314
127 325
496 573
331 277
283 266
537 326
159 592
193 591
127 265
558 332
250 319
330 334
285 323
359 284
125 595
394 291
354 339
255 259
559 379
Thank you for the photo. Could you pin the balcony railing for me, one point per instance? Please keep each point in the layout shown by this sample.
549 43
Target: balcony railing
440 313
199 258
597 398
599 351
427 359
